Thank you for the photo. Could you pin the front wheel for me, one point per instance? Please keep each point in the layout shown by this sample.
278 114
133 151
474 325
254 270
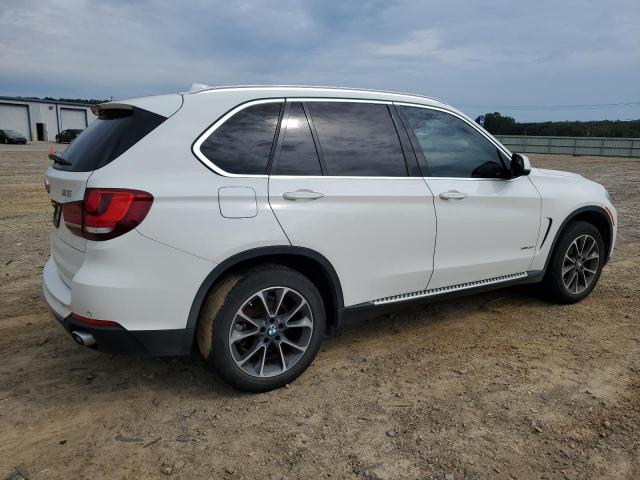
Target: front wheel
576 263
261 328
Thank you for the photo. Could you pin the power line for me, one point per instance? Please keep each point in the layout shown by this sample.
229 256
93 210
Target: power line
558 107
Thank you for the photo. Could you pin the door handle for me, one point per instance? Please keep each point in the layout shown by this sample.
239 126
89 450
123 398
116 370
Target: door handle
304 195
452 195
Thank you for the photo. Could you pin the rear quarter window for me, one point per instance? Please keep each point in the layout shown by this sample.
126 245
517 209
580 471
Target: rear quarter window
243 143
114 132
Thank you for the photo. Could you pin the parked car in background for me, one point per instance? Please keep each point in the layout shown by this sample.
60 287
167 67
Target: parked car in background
248 221
68 136
11 136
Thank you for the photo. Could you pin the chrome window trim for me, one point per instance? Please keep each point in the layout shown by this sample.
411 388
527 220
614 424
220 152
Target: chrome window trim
472 179
474 125
204 135
212 166
345 177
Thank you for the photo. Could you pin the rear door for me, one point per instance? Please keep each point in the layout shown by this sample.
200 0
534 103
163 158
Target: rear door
65 187
339 184
117 130
102 142
487 224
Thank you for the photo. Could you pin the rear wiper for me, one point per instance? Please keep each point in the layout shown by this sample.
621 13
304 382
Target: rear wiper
59 160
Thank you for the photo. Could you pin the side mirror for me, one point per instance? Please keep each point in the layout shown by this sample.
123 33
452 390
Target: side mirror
520 165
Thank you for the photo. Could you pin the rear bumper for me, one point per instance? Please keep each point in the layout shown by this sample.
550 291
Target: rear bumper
141 284
142 342
55 291
144 286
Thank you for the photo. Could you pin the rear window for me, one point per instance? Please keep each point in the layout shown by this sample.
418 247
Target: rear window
113 133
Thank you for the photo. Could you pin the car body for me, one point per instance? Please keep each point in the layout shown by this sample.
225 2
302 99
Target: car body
333 201
68 135
11 136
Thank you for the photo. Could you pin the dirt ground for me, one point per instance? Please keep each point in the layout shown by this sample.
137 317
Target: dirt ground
501 385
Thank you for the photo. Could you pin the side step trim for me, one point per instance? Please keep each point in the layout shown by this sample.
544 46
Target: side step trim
452 288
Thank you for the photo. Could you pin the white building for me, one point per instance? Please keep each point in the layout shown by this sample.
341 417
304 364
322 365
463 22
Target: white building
42 119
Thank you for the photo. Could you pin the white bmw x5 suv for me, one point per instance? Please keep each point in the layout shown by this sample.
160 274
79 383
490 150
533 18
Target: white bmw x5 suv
249 221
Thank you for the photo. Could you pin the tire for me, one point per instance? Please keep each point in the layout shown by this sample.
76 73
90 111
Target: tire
586 274
283 345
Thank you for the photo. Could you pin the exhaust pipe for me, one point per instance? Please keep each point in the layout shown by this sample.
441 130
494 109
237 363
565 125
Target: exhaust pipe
83 338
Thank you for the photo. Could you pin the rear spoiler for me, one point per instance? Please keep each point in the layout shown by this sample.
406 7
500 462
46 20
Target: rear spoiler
96 109
165 105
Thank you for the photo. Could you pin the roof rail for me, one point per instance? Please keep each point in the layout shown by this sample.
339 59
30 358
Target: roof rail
200 87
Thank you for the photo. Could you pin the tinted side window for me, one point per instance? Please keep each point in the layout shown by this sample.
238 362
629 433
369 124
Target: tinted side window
358 139
243 143
108 137
298 155
451 146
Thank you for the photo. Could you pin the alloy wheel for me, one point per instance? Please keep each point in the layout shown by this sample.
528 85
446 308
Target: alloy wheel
580 264
271 331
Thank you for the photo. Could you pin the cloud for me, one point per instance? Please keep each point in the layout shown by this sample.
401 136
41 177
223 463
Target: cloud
495 52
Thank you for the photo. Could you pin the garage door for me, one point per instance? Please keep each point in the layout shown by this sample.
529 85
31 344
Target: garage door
15 117
73 118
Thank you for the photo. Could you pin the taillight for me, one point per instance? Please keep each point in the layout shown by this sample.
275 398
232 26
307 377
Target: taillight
106 212
72 213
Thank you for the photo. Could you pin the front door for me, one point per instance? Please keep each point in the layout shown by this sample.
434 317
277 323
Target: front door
488 224
355 202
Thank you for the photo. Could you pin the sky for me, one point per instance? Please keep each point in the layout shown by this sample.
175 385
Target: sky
514 57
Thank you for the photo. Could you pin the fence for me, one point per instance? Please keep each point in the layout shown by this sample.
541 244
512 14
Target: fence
600 146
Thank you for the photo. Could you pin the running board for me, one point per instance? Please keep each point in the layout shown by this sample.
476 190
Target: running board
453 288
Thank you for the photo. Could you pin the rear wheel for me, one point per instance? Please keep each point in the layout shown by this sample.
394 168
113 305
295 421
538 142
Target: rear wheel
576 263
260 329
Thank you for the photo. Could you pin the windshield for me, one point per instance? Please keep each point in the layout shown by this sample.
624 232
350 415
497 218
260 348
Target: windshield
108 137
13 132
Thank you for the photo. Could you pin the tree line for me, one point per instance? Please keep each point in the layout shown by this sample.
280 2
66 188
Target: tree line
93 101
498 124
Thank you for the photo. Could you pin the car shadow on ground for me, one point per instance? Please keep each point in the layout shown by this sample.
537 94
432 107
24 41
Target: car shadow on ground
445 310
100 376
